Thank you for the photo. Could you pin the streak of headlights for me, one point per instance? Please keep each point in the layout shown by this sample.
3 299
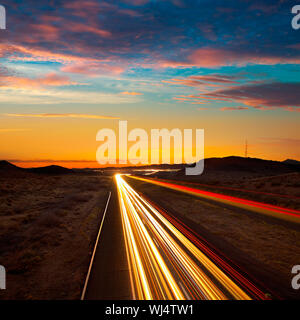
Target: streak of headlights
163 262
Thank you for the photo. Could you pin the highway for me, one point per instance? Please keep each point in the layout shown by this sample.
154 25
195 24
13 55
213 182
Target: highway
166 261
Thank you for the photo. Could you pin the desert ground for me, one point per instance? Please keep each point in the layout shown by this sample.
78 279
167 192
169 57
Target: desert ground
48 226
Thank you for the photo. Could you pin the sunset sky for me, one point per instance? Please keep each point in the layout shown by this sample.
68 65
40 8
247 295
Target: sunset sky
71 68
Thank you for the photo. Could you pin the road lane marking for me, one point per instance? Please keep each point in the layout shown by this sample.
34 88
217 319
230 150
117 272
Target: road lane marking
95 248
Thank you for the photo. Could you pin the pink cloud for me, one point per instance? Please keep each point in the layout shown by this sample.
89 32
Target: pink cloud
83 10
40 32
216 78
81 27
264 96
212 58
137 2
234 108
202 97
23 53
129 12
78 5
19 52
181 99
184 82
187 99
201 80
50 79
132 93
92 69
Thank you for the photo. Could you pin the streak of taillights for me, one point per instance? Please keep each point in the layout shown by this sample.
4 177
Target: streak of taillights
259 207
163 262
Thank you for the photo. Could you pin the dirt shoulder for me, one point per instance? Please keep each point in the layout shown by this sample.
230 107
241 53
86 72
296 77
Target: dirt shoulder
264 248
48 226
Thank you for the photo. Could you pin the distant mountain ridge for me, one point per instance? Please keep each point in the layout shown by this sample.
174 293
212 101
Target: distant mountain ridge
237 167
53 169
9 169
247 164
226 164
255 165
292 162
5 165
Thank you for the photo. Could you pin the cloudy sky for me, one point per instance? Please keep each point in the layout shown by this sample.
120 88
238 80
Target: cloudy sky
70 68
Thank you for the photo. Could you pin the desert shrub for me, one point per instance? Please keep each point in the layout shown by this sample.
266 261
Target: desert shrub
80 198
19 209
294 185
260 185
25 261
28 218
92 187
214 182
49 220
275 184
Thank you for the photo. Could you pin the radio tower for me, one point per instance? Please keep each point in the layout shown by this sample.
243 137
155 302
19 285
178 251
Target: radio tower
246 149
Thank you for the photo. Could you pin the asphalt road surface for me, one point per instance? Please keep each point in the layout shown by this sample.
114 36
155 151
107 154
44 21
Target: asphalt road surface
109 277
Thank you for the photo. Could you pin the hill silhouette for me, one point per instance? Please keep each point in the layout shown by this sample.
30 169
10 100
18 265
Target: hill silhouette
292 162
7 166
10 170
254 165
235 168
53 169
